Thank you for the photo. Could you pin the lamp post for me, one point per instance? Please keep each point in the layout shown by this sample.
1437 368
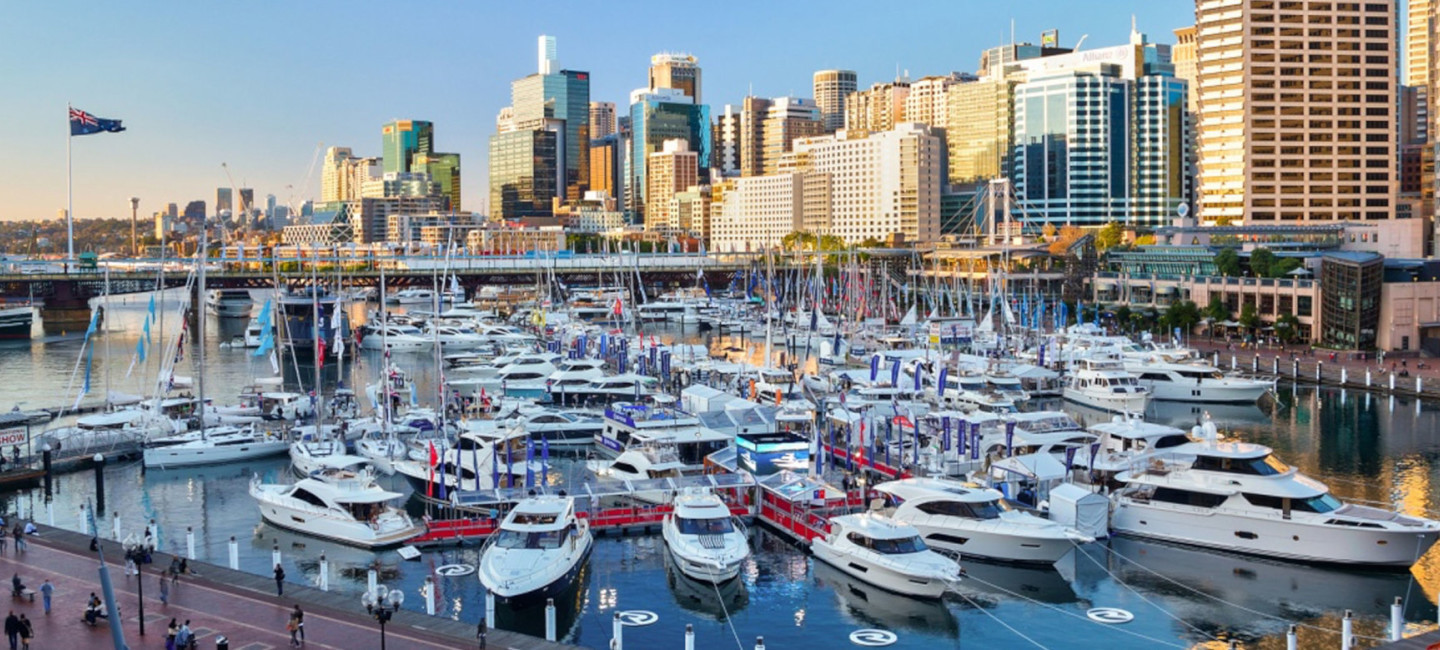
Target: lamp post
382 603
134 217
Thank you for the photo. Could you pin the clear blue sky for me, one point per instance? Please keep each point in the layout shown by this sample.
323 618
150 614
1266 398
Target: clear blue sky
259 84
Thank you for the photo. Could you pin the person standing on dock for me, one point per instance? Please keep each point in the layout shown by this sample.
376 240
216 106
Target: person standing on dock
279 580
46 590
299 617
19 533
165 587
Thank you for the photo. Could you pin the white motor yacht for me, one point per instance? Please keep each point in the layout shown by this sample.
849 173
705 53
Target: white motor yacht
254 333
396 337
455 337
1102 383
647 463
707 542
1196 381
887 554
561 427
412 297
1238 497
343 506
229 303
975 521
626 386
310 456
213 447
538 552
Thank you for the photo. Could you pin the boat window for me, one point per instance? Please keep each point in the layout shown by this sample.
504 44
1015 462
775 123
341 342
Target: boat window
624 467
1173 440
888 546
1266 466
1323 503
715 526
1188 498
979 510
515 539
308 497
1265 501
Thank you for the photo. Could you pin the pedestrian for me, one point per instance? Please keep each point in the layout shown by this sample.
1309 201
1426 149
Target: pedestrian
26 631
182 637
293 628
12 630
19 533
184 567
170 633
2 539
46 590
299 622
164 587
480 633
279 580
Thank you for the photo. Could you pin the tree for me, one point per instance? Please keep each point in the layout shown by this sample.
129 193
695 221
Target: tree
1183 314
1048 231
1145 240
1109 236
1224 221
1068 236
1227 261
1122 316
1261 262
1283 266
1249 318
1287 326
1216 310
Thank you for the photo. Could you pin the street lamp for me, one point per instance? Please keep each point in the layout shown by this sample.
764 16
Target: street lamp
382 603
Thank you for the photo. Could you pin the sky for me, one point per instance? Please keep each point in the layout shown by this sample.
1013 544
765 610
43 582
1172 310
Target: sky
259 85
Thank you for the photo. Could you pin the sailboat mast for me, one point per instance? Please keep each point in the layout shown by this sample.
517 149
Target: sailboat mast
200 256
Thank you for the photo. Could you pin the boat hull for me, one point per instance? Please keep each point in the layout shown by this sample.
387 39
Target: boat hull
553 589
879 575
1170 391
173 456
355 534
994 546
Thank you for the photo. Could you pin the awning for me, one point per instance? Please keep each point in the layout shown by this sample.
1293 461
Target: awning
1040 467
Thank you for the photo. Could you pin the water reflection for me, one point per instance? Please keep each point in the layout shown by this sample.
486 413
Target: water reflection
713 601
872 606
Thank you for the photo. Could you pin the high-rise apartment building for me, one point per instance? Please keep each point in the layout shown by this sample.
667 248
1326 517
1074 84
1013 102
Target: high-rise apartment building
786 120
831 89
928 100
1100 137
678 71
878 108
444 169
224 200
667 172
656 116
1297 110
885 183
602 119
1187 64
757 212
335 175
980 129
400 140
1419 42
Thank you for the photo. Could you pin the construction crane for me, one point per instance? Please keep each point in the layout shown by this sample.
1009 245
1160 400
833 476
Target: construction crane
309 175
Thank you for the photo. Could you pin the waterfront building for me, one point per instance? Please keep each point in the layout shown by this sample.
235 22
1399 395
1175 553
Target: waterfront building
602 119
406 227
656 116
678 71
498 239
668 171
1281 140
757 212
327 225
400 140
444 169
1100 137
595 213
1350 287
369 216
831 87
879 108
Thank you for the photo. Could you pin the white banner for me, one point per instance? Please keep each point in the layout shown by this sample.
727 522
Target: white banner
14 436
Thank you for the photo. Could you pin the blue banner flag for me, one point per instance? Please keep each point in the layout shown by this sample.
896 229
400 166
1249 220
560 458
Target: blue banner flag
82 123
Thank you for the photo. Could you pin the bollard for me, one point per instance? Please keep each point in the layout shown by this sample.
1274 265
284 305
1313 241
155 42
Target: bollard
1367 377
189 543
1292 642
275 555
1295 368
100 484
1255 363
1392 382
1234 365
1397 620
1418 388
324 573
689 636
617 635
489 607
115 526
1344 375
1347 630
429 595
372 579
1319 367
45 459
550 619
234 554
759 643
1215 361
1275 366
50 510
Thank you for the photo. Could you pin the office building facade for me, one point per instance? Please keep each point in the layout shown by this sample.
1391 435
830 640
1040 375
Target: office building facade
656 116
602 119
400 140
669 171
678 71
523 173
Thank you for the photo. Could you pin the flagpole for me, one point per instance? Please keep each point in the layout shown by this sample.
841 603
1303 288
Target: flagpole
69 193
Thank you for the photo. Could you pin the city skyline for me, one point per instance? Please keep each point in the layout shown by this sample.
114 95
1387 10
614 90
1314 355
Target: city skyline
264 105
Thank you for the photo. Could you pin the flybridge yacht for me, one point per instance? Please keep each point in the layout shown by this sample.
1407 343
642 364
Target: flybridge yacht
1195 381
412 297
229 303
639 425
1103 383
538 552
975 521
1238 497
340 505
379 336
560 427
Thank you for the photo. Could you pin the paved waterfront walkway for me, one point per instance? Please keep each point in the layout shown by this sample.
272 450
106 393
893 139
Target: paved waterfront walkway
218 601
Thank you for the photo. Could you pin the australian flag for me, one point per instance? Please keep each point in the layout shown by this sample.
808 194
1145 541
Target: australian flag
82 123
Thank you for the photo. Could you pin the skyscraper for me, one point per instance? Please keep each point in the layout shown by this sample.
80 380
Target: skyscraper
1187 66
1283 142
523 173
980 129
831 89
671 170
879 108
223 200
443 168
928 101
657 116
602 119
678 71
547 60
560 95
1100 137
335 175
786 120
606 162
247 200
401 140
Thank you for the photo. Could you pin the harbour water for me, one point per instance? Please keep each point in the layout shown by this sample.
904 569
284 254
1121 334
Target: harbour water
1365 447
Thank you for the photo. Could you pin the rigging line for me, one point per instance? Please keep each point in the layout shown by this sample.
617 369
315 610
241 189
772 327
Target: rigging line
1002 623
1238 606
1071 614
719 598
1142 596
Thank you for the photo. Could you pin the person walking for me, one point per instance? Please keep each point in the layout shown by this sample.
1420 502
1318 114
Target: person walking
26 632
299 617
19 533
170 633
182 637
293 628
279 580
47 590
12 630
165 587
